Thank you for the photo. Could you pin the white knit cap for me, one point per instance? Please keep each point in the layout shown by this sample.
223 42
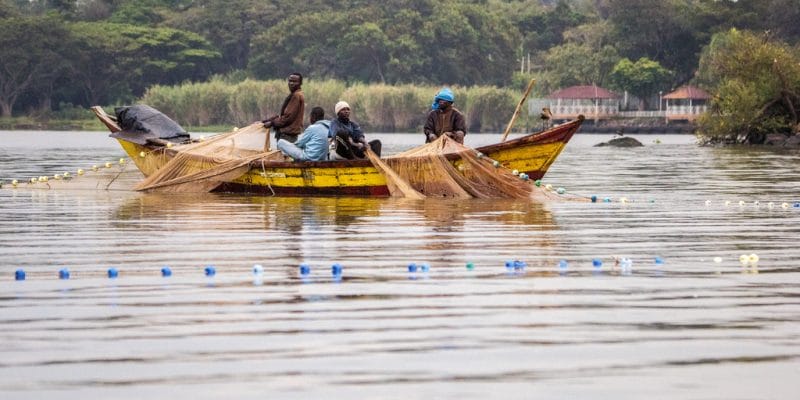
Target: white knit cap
339 106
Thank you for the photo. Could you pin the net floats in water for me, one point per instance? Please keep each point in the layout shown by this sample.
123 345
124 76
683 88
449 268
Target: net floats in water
515 267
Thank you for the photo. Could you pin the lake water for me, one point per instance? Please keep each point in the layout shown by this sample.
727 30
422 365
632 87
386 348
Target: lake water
690 327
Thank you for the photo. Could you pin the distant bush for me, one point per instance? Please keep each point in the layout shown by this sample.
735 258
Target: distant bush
68 111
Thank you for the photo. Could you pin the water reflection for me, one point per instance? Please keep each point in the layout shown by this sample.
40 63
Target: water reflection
451 215
295 214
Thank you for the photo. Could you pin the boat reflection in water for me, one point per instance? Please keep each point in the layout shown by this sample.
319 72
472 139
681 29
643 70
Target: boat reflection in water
294 214
364 233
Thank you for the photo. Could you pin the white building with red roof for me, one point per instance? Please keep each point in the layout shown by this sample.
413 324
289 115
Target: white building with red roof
685 103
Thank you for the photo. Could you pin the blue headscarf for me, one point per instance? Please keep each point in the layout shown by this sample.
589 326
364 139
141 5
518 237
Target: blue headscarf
444 94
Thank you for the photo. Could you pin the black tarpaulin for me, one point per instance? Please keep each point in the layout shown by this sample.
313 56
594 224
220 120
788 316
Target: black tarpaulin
140 122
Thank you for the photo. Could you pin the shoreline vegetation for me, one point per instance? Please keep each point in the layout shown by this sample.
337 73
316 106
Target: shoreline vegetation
222 63
755 84
218 105
754 81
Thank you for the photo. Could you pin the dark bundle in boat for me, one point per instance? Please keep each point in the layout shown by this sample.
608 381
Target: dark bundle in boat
140 123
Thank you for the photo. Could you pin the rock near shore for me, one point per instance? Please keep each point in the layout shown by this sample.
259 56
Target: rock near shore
624 141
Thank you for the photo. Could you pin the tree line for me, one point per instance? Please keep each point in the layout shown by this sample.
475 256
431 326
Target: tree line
59 54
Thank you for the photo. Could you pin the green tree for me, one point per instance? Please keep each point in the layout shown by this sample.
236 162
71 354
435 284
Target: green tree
7 9
586 57
783 16
542 27
660 30
103 62
169 56
276 53
466 43
144 12
755 84
230 25
31 55
447 42
779 17
111 61
641 78
366 48
66 8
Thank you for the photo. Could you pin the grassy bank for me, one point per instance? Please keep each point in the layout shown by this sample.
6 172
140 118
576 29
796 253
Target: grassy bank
218 105
377 107
27 123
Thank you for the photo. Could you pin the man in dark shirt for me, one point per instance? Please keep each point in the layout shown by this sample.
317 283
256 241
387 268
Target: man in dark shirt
289 123
444 119
350 140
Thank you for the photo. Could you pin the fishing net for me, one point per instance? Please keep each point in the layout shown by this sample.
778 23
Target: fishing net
202 166
443 168
447 169
398 187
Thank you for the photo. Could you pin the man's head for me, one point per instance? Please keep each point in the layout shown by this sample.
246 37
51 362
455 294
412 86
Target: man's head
444 99
342 110
317 113
295 81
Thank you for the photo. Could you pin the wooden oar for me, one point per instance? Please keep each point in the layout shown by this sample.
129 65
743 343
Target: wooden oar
516 112
398 187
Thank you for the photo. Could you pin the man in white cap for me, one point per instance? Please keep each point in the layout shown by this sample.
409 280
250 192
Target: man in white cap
349 138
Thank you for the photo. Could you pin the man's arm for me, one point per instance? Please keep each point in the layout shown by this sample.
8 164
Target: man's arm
429 129
358 134
459 124
333 128
302 141
353 144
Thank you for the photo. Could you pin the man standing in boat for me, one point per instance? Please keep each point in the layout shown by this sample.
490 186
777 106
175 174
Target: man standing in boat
289 123
444 119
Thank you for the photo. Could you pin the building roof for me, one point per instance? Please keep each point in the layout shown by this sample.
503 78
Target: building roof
688 92
583 92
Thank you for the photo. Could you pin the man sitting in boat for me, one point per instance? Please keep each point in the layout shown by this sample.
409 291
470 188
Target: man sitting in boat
313 142
444 119
349 140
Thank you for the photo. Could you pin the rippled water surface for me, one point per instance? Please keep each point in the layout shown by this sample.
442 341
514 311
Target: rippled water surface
690 327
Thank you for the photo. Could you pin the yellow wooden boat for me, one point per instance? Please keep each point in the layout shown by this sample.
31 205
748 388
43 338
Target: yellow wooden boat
532 154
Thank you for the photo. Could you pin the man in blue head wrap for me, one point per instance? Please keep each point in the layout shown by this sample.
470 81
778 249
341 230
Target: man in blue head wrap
444 119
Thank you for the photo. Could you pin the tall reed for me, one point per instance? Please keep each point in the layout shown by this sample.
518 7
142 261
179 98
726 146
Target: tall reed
323 93
387 108
488 108
194 104
377 107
